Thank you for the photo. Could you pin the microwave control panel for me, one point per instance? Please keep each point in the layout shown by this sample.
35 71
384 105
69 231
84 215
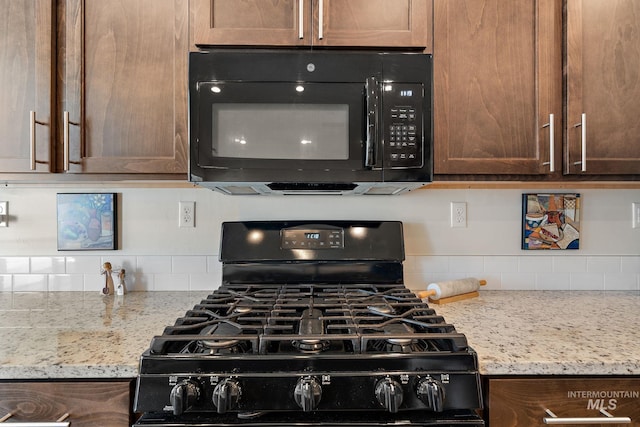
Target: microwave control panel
403 129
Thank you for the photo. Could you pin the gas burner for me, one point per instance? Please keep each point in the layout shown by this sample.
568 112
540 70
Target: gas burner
214 344
398 342
401 341
311 346
311 324
381 309
240 310
401 345
217 346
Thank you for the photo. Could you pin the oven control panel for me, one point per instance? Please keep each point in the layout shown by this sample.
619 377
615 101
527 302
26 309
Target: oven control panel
309 391
312 238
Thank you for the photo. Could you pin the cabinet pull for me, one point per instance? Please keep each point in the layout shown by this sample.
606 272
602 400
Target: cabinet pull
608 419
32 139
583 142
552 143
300 19
320 18
60 422
65 141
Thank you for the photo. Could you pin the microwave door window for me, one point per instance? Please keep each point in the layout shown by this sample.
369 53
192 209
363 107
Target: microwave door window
280 131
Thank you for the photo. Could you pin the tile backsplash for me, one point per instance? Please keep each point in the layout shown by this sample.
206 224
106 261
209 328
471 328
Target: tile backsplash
159 255
195 273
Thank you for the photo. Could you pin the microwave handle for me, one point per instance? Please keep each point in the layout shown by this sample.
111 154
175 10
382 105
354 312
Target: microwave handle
372 99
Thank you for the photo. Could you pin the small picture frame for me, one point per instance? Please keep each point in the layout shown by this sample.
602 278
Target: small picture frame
87 221
551 221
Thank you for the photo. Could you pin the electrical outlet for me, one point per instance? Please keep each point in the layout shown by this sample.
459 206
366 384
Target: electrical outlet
636 215
459 214
187 214
4 215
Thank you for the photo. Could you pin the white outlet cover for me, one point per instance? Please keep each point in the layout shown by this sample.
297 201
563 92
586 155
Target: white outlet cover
458 214
186 214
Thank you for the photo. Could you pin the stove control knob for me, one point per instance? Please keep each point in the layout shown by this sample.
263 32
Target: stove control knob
307 393
226 395
432 394
184 395
389 394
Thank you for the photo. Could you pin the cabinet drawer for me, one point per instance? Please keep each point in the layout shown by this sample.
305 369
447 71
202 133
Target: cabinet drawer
105 404
523 402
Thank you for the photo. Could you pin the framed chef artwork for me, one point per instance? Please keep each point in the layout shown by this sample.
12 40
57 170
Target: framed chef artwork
550 221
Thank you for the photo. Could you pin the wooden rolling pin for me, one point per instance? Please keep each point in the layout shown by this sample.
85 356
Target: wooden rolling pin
452 290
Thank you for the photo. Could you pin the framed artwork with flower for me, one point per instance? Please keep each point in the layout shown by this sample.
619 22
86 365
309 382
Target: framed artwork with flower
87 221
551 221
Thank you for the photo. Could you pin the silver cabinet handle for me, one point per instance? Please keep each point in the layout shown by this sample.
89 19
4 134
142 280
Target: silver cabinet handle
65 141
607 419
60 422
301 19
320 18
583 142
552 143
32 139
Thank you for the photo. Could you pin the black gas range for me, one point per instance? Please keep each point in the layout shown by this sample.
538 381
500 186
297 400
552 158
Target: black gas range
312 325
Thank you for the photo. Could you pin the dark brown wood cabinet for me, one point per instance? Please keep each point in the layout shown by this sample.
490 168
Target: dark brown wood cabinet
89 404
26 84
107 80
498 78
123 83
603 87
497 82
337 23
524 401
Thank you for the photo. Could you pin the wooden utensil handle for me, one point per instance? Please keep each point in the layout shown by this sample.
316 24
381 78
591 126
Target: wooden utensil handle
426 294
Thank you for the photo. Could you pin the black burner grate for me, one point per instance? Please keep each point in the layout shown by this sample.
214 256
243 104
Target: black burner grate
309 319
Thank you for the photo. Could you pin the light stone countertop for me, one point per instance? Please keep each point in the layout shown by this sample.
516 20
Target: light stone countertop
86 335
551 332
83 334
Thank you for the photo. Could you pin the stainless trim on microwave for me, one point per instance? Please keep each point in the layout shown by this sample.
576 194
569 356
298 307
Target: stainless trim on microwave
315 189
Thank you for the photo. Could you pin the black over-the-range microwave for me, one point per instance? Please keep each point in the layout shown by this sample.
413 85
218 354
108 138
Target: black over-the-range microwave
310 122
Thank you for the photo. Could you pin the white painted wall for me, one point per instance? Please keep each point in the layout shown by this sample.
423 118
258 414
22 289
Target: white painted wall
162 256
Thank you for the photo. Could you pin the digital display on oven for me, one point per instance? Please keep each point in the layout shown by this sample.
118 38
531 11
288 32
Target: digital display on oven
312 239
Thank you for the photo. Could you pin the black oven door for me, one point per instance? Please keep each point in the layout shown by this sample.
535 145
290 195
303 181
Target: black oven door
281 131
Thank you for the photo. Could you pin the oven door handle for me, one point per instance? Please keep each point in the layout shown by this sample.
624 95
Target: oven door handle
372 99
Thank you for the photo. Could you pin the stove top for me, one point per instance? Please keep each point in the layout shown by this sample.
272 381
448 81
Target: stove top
312 317
309 319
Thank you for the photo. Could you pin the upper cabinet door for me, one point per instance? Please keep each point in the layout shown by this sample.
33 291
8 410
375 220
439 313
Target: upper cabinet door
251 22
603 87
373 23
26 69
123 102
497 87
354 23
